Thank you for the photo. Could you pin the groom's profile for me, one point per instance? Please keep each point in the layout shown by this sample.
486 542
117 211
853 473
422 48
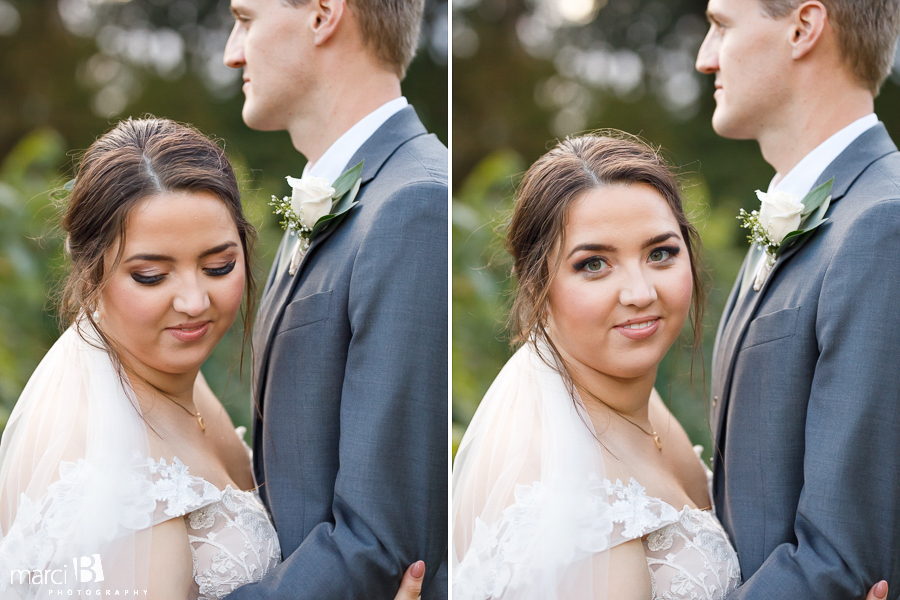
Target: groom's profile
805 390
350 344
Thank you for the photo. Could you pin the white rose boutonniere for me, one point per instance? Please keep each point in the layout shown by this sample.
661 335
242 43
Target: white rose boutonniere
311 199
779 213
315 207
782 219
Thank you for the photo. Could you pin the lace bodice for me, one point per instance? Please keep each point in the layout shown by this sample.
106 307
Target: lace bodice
688 553
691 558
233 541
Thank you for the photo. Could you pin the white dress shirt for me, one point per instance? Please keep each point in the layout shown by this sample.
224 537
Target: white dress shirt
334 161
803 176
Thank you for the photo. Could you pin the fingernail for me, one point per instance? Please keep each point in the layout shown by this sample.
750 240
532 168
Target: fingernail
881 589
418 570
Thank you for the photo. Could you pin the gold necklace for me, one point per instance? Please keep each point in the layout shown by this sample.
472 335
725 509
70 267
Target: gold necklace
197 414
652 433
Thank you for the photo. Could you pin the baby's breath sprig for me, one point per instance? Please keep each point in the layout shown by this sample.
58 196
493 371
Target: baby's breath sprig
758 234
289 219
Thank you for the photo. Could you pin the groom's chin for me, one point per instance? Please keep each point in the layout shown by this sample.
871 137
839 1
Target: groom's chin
727 127
257 119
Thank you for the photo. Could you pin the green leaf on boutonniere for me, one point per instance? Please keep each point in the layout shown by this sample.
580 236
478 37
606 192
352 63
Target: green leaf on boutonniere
816 197
341 207
345 182
819 217
794 236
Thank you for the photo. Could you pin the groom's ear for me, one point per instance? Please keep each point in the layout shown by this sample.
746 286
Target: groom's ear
808 24
326 15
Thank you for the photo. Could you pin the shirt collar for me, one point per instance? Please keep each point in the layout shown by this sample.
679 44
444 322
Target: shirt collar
803 176
334 161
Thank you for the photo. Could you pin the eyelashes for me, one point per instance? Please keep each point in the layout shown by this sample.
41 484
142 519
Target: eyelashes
154 279
221 270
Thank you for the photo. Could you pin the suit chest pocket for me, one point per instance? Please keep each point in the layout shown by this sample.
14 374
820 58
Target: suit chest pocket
773 326
305 311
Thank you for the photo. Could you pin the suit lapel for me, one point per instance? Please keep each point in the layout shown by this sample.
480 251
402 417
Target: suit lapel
396 131
846 169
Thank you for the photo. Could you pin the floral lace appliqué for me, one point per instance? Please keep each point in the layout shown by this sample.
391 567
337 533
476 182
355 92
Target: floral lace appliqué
692 559
233 541
550 525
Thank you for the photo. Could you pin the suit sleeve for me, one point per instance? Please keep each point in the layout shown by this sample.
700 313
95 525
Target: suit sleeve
848 519
390 497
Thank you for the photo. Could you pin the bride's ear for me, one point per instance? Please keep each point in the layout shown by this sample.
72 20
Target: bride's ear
326 15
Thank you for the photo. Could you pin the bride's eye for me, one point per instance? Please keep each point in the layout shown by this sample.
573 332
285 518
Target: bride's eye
218 272
147 279
661 255
594 264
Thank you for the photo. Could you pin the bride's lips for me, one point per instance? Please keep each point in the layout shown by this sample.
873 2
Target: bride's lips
189 332
639 334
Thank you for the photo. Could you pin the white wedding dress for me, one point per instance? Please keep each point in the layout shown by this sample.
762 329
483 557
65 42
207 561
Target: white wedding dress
534 516
80 493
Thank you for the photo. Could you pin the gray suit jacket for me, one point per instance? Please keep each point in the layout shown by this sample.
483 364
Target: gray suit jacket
807 398
351 380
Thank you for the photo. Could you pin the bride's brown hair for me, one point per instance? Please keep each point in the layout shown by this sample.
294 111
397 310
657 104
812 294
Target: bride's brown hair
574 166
137 159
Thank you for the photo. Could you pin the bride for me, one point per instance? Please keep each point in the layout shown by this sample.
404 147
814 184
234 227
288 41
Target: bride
573 480
121 474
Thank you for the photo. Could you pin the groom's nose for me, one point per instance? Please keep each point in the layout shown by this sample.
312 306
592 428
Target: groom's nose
708 56
234 49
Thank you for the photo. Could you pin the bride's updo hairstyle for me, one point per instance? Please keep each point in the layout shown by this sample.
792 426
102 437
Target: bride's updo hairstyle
137 159
574 166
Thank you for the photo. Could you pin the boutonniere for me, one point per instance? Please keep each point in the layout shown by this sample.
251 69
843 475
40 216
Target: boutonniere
315 207
780 221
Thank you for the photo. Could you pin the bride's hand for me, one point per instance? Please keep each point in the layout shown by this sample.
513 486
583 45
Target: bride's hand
878 592
411 586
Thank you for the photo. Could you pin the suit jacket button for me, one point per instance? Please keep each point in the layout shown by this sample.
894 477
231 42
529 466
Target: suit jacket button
715 401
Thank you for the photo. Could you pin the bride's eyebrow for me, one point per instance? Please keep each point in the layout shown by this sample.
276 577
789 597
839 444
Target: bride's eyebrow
607 248
166 258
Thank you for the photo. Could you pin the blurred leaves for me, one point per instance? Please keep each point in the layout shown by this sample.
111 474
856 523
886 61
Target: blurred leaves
29 259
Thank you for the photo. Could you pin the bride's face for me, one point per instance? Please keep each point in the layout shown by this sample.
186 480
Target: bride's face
179 284
622 292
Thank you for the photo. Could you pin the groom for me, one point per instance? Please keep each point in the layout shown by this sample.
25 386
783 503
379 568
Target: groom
350 351
806 388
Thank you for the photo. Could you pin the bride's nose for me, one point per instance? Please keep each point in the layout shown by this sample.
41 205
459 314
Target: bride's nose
191 298
637 290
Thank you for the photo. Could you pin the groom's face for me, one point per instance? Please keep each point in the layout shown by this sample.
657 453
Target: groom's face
271 42
750 55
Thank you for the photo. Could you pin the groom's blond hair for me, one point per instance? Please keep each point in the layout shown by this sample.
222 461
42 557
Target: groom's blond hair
866 32
389 28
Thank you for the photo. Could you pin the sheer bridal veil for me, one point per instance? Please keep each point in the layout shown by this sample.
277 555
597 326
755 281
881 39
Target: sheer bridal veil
76 496
528 513
534 515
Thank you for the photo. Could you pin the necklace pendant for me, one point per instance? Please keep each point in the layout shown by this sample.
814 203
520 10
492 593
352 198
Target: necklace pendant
203 426
656 439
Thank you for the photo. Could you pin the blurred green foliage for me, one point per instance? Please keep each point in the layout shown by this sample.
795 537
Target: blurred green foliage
629 68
